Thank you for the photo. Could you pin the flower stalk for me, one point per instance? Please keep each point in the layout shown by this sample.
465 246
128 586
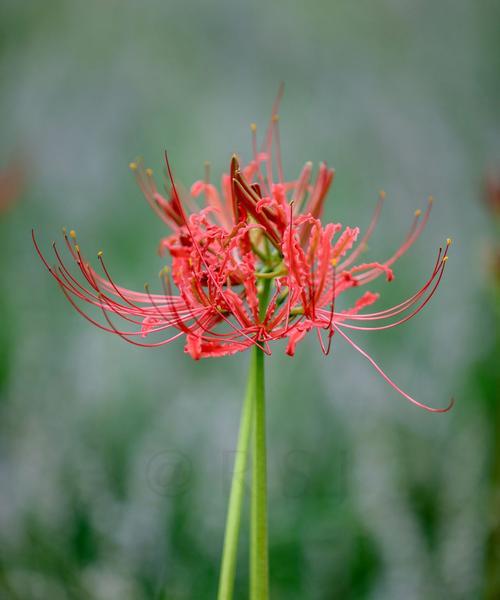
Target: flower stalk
252 420
259 570
236 495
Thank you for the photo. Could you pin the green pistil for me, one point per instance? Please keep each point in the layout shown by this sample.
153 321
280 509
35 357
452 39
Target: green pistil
279 272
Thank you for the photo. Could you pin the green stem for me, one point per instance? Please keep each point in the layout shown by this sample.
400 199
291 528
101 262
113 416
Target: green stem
230 550
253 414
259 570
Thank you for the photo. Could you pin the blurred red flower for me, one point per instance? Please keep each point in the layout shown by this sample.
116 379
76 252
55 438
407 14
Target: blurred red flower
12 179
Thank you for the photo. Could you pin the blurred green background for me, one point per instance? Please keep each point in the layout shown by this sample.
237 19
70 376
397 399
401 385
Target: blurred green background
115 461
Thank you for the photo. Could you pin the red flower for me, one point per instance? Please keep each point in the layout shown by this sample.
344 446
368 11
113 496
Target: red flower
254 265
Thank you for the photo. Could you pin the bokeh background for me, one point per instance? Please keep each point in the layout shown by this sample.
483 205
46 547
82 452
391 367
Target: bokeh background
114 461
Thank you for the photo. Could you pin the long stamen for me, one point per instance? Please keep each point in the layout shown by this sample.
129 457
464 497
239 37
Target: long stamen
269 133
328 327
397 309
144 178
301 187
277 143
389 380
408 317
256 157
268 139
106 272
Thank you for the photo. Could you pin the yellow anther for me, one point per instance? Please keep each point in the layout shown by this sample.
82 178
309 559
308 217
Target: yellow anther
72 234
149 172
449 241
418 212
64 230
164 271
100 253
133 166
253 127
276 118
430 200
334 262
77 248
445 258
382 194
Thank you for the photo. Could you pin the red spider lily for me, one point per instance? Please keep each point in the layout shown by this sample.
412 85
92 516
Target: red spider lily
12 179
254 265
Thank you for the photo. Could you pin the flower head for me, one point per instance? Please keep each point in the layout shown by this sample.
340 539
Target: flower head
248 264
